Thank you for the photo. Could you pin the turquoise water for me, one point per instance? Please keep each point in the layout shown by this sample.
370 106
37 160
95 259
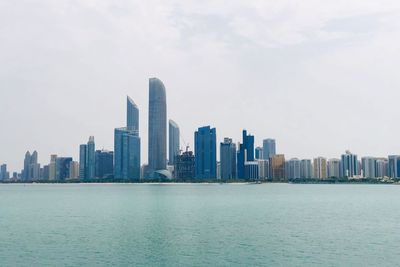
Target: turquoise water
199 225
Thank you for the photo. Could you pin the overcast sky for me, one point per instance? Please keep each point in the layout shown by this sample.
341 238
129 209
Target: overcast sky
319 76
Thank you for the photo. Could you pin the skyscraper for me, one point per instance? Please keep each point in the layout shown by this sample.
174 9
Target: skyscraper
293 171
26 170
306 171
126 154
269 148
349 165
52 167
87 159
320 168
206 153
394 166
334 168
31 169
259 153
228 159
62 168
174 136
132 115
368 167
277 168
4 174
157 126
245 154
104 164
185 166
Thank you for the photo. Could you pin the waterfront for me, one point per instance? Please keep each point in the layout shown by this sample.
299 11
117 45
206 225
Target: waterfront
199 225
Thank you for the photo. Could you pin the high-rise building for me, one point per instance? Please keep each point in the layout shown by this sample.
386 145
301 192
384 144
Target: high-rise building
245 154
52 167
27 163
174 137
320 168
87 164
46 172
381 167
157 126
4 174
251 171
132 115
62 168
258 153
349 165
206 153
269 148
185 166
126 154
368 165
31 171
104 164
277 168
263 169
228 159
293 171
394 166
73 170
306 169
334 168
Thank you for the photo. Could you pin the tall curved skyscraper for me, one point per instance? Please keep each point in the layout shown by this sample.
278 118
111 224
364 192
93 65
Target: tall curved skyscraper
157 126
132 115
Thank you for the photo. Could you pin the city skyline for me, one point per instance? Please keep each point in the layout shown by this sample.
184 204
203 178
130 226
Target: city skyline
292 74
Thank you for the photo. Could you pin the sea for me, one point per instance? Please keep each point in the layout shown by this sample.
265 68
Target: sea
199 225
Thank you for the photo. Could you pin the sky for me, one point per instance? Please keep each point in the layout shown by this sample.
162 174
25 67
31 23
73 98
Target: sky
320 77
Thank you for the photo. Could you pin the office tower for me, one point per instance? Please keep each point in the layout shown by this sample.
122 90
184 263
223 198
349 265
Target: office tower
320 168
174 137
263 169
73 170
52 167
381 167
306 169
132 115
269 148
258 153
126 154
251 171
157 126
4 174
46 172
87 164
104 164
368 167
245 154
394 166
334 168
62 168
277 168
228 159
185 166
206 153
26 171
349 165
293 171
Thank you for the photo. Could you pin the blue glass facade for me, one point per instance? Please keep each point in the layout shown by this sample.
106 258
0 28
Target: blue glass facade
126 154
245 154
132 115
206 153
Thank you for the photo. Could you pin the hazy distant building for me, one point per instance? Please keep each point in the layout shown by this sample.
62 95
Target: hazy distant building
52 167
320 168
263 169
185 166
245 154
394 166
73 170
368 165
334 168
206 153
87 160
381 167
4 174
132 115
45 172
306 169
251 171
157 151
63 168
349 165
293 170
258 153
277 168
31 171
174 144
228 159
126 154
269 148
104 164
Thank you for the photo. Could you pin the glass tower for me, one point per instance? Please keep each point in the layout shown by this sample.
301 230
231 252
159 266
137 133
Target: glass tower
173 141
